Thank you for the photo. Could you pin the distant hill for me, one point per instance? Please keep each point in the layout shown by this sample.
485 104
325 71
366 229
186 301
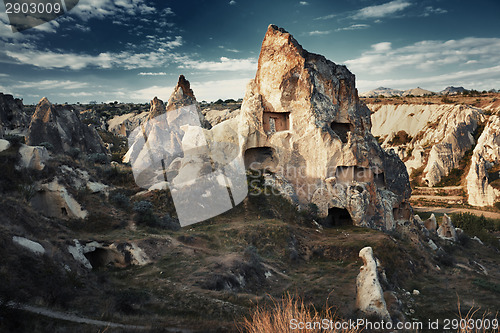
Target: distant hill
452 90
381 91
417 92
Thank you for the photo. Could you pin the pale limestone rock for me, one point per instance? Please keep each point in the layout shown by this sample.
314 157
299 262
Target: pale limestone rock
448 129
4 145
446 229
123 125
302 118
78 253
215 117
34 247
33 157
53 200
369 294
430 223
485 156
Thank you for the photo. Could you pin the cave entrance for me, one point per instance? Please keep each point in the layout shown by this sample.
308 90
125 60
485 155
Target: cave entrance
260 158
342 130
276 121
337 217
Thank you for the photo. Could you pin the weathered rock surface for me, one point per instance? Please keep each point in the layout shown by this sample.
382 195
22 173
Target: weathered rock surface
301 117
61 127
4 145
430 223
439 135
485 164
369 294
215 117
13 119
32 246
446 229
95 254
123 125
33 157
53 200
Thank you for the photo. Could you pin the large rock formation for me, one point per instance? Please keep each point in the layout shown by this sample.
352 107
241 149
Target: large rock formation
485 165
369 294
301 119
123 125
13 119
62 128
437 135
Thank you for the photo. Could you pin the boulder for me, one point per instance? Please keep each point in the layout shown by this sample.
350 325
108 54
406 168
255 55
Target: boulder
33 157
4 145
369 294
32 246
301 118
61 127
485 160
446 229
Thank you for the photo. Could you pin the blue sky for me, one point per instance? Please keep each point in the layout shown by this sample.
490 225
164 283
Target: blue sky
133 50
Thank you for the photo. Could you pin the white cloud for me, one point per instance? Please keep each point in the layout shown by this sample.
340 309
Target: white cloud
318 33
433 11
152 74
87 9
52 84
354 27
379 11
232 2
303 3
326 17
223 89
225 64
427 55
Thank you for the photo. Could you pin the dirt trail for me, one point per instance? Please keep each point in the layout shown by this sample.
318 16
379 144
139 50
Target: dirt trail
477 212
72 318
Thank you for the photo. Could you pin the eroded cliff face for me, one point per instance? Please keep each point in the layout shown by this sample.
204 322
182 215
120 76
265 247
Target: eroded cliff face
301 119
485 165
13 120
62 128
438 135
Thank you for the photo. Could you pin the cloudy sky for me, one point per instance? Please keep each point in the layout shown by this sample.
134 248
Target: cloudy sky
133 50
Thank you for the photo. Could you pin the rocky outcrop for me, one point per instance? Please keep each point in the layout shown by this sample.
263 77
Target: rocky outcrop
95 254
53 200
30 245
485 166
123 125
157 108
431 224
301 119
215 117
32 157
436 135
13 119
369 294
4 145
446 229
61 127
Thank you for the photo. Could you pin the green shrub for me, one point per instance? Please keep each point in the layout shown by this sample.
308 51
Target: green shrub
400 138
120 200
144 213
99 158
47 145
14 139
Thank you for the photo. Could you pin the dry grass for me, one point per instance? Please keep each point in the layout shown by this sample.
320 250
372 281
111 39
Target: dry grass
471 323
278 318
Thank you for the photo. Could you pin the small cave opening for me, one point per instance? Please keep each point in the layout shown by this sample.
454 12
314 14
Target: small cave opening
260 158
102 257
402 212
379 179
342 130
276 121
337 217
346 174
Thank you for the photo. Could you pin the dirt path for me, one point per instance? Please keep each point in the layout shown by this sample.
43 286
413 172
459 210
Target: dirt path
477 212
73 318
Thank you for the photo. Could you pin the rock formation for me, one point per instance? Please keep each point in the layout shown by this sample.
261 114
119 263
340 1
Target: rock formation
485 165
123 125
369 294
446 229
62 128
437 135
430 223
32 157
13 119
157 108
302 120
53 200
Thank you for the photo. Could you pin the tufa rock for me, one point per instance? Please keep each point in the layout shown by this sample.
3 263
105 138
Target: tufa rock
430 223
62 128
13 119
446 230
301 119
32 246
157 108
486 155
32 157
369 294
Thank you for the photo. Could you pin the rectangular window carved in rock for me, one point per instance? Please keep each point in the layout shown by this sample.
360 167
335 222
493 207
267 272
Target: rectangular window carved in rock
276 121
